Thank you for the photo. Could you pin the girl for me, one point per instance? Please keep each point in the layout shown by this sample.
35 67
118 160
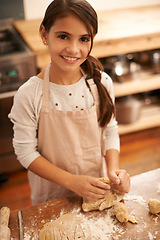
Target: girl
65 131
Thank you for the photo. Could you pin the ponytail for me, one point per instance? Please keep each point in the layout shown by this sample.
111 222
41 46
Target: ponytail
93 68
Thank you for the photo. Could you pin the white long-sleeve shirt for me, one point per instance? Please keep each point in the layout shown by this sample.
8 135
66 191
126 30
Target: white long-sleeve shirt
27 106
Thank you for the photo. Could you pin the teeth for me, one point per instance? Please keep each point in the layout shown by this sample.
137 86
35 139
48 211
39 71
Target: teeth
69 58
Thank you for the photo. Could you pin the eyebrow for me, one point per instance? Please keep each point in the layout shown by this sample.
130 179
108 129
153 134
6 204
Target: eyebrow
63 32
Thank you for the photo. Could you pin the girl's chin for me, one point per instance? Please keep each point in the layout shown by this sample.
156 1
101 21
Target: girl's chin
69 68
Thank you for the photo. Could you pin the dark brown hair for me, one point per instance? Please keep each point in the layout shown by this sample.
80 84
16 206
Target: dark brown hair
91 66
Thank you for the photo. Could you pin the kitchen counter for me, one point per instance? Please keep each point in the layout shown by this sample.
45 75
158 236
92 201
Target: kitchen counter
120 31
143 187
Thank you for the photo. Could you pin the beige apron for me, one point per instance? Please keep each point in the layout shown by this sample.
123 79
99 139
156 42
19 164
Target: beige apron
70 140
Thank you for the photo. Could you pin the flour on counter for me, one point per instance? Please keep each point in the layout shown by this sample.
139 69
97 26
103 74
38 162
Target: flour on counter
158 191
75 210
28 237
104 227
135 198
151 237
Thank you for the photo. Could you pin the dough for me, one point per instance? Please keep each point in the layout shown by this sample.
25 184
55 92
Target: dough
67 227
154 206
121 213
111 199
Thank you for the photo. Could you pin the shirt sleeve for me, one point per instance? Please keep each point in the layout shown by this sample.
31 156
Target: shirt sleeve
111 133
25 124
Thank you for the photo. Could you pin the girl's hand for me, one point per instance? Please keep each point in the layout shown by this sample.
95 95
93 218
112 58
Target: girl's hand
89 187
120 180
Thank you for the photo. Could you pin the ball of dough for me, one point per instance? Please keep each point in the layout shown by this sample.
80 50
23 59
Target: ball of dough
154 206
121 212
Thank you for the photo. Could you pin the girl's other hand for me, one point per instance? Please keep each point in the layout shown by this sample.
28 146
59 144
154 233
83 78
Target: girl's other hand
120 180
89 187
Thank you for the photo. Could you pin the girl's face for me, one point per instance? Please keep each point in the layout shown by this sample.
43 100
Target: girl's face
68 42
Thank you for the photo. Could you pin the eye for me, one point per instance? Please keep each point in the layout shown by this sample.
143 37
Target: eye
63 36
84 39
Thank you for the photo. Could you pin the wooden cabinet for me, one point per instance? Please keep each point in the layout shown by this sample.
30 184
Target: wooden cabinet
120 32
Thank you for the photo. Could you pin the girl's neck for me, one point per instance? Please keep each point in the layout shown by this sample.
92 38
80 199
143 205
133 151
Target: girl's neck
64 78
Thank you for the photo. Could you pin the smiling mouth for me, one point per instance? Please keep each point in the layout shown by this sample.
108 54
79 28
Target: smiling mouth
72 59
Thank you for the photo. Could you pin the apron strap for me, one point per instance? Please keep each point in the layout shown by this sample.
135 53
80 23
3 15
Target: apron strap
94 92
91 84
45 97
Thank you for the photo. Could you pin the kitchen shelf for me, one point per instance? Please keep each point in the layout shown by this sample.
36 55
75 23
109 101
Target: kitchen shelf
144 84
150 118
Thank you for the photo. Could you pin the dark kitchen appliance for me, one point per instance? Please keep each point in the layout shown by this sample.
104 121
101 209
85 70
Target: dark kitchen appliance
17 61
17 65
12 8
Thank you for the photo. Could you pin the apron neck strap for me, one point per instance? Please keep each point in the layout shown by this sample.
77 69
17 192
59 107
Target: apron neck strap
45 98
93 87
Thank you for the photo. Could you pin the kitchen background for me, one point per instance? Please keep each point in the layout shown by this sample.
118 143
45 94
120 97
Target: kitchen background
31 9
137 105
40 6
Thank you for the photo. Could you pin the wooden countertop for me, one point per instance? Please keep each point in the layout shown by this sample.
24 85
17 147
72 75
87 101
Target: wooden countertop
120 31
143 187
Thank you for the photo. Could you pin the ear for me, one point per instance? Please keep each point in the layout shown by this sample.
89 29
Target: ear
44 35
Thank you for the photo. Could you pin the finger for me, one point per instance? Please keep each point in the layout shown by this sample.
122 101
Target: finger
124 186
122 176
125 178
115 180
114 177
99 191
99 184
93 196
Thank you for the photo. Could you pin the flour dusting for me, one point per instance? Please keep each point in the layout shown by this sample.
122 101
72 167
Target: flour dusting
151 237
135 198
102 228
158 191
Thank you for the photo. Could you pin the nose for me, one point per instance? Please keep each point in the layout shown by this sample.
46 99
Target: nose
73 47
